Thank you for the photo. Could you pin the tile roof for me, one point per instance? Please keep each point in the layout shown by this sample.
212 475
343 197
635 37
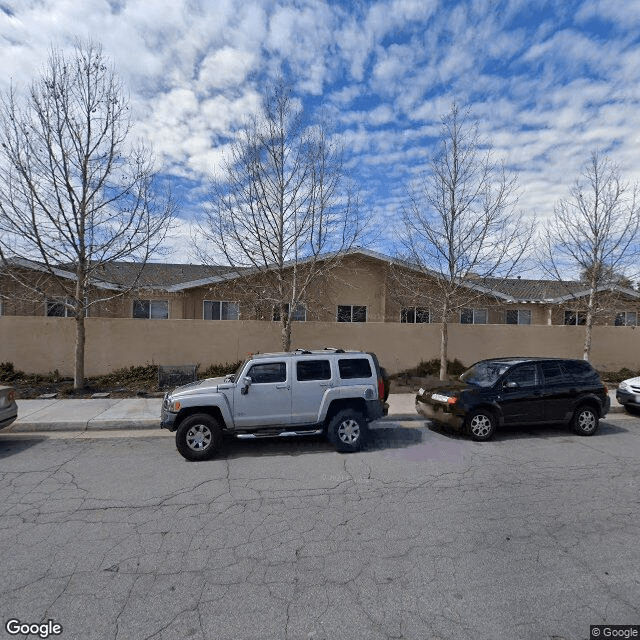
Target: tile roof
155 274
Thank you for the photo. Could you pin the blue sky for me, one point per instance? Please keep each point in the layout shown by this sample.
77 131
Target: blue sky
549 82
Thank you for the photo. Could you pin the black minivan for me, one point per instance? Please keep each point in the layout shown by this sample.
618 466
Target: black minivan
505 391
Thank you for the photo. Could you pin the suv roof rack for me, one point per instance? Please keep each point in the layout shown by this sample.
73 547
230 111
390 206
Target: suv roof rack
336 349
299 350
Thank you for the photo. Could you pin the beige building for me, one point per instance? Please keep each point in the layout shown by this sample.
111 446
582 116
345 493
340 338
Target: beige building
179 314
365 287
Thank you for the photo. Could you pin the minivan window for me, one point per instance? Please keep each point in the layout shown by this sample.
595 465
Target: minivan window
354 368
313 370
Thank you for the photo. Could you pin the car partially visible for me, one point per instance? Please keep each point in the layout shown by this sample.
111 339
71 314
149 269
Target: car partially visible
628 393
518 390
8 406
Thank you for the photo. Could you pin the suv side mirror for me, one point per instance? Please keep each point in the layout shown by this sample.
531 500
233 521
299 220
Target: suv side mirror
246 381
511 385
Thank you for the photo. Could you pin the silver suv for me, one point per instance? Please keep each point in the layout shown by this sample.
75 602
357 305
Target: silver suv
330 391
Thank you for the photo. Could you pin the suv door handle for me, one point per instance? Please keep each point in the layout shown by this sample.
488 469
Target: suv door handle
326 385
282 386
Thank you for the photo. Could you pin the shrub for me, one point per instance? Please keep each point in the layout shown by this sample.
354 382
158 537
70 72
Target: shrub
431 368
8 372
219 370
616 377
137 375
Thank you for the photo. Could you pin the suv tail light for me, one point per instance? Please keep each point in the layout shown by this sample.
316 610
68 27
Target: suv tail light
381 389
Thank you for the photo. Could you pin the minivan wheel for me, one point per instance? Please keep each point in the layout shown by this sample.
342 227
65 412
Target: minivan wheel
585 421
347 430
481 425
198 437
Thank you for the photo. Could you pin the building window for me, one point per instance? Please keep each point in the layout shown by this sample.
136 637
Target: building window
299 314
575 317
59 307
518 316
151 309
626 319
414 314
220 310
352 313
1 307
473 316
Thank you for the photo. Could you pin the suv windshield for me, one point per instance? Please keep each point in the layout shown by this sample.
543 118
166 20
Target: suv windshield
485 374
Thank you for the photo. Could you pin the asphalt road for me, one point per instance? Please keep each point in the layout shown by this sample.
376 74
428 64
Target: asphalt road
424 535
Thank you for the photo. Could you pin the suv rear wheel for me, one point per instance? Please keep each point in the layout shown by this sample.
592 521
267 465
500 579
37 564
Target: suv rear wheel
585 421
482 425
198 437
347 430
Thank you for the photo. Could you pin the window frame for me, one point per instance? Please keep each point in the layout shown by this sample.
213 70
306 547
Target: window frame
518 312
63 302
578 316
351 308
473 316
150 302
275 316
415 310
220 308
626 323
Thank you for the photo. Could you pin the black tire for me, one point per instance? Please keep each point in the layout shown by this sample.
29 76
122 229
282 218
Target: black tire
198 437
481 425
633 409
347 430
585 421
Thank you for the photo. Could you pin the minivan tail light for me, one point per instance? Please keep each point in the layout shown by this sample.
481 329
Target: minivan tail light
381 388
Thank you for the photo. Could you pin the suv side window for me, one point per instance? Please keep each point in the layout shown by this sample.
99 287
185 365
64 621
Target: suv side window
525 375
354 368
580 372
268 372
313 370
552 373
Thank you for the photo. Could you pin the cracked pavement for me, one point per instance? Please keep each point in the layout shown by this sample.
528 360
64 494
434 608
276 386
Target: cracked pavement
423 535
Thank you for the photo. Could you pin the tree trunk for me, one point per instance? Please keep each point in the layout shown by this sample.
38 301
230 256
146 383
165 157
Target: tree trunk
286 333
78 372
586 352
444 345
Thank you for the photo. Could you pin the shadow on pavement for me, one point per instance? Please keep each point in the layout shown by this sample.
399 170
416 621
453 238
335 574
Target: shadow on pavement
10 447
529 431
380 438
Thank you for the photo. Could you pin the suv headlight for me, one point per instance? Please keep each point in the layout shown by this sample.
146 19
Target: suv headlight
624 386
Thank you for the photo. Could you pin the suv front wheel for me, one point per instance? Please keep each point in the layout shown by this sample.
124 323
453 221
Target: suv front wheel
482 425
585 421
347 430
198 437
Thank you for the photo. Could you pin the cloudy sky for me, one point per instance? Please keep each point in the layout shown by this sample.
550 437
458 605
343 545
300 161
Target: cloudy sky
548 81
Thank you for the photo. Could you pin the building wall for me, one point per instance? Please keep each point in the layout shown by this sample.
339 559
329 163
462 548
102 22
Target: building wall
41 345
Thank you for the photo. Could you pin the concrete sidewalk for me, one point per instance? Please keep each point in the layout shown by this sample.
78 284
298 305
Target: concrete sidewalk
144 413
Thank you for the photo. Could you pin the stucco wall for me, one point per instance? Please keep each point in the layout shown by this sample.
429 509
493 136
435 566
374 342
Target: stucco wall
40 345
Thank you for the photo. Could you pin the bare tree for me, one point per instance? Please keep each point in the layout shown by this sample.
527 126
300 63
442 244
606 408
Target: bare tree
282 213
595 232
459 223
74 195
